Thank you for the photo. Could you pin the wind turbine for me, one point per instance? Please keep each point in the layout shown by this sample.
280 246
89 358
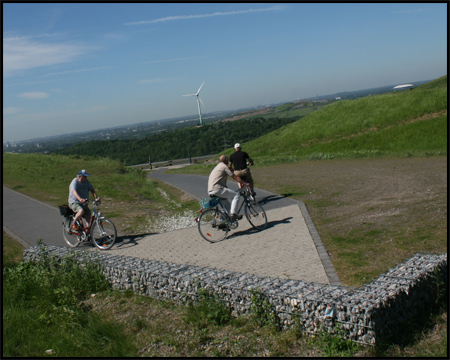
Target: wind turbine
198 103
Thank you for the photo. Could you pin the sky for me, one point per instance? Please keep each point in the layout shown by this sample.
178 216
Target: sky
73 67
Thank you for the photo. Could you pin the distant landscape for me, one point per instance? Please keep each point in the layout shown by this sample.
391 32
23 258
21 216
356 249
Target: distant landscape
148 129
371 171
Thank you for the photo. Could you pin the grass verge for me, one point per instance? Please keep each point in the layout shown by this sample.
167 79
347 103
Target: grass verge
96 321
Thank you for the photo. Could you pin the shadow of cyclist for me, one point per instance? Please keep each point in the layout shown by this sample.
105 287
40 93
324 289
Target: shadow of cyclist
129 240
252 230
271 198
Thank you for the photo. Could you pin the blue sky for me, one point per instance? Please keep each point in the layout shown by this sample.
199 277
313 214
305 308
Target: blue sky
73 67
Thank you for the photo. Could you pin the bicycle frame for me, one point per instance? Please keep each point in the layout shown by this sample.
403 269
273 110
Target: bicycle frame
85 230
243 193
215 222
101 231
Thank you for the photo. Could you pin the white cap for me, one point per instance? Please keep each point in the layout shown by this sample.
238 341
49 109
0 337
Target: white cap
82 173
237 146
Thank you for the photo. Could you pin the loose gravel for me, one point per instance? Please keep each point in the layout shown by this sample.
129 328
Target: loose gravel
164 224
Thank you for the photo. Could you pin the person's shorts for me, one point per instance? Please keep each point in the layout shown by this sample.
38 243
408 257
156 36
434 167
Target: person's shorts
245 175
77 207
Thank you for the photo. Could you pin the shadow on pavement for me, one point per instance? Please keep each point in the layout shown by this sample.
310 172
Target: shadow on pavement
252 230
129 239
270 198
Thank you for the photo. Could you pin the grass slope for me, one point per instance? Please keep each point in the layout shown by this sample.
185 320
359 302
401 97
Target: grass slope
129 198
358 233
409 123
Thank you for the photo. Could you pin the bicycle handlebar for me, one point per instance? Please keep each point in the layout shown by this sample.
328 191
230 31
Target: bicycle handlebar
245 190
96 202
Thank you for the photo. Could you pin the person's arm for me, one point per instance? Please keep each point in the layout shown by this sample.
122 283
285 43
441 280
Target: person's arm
239 180
95 195
91 189
230 165
81 200
250 160
93 192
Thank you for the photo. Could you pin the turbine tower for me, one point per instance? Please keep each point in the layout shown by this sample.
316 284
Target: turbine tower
198 103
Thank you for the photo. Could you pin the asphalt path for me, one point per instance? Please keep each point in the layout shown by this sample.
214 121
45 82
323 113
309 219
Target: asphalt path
290 245
28 220
197 185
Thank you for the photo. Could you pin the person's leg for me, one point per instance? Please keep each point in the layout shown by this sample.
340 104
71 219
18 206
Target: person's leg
241 174
250 181
87 216
227 193
234 202
78 210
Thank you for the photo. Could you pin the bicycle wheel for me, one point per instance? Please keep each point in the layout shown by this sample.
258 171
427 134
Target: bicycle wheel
71 239
213 225
103 234
256 215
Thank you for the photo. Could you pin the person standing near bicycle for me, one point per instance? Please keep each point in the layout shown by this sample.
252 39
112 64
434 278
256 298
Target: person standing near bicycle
238 160
78 193
217 185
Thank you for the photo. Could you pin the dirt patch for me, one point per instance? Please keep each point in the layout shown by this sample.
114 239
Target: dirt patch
382 210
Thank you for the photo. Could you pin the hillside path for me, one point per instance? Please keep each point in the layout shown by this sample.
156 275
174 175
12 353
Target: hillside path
289 247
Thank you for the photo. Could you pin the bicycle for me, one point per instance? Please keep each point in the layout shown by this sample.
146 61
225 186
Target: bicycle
215 222
101 231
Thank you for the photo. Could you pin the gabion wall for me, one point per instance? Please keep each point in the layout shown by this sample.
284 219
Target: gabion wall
366 315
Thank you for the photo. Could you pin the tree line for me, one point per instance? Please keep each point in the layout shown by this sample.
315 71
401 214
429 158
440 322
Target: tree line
181 143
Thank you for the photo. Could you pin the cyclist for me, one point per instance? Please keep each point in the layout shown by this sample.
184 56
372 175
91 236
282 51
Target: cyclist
78 193
217 185
239 160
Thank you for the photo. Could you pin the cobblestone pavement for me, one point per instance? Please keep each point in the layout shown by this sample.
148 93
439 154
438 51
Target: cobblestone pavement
284 249
288 248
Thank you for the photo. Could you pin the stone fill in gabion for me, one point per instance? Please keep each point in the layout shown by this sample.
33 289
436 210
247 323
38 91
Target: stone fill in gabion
366 315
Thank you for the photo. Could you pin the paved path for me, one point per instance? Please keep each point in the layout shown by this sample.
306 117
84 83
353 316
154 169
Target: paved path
288 248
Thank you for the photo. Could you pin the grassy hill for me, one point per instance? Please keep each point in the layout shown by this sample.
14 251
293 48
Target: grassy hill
370 214
408 123
405 123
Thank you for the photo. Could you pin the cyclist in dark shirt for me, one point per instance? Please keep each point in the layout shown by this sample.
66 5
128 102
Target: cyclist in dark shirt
238 160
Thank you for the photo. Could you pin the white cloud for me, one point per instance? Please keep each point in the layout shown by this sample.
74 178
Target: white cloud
34 95
29 83
77 71
156 80
21 53
184 17
11 110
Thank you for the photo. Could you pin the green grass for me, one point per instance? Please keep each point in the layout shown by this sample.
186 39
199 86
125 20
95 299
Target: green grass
42 312
42 308
40 175
59 309
127 194
411 123
12 251
399 124
48 307
290 109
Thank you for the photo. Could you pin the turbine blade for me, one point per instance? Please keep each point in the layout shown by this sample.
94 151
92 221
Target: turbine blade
200 88
201 102
191 95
